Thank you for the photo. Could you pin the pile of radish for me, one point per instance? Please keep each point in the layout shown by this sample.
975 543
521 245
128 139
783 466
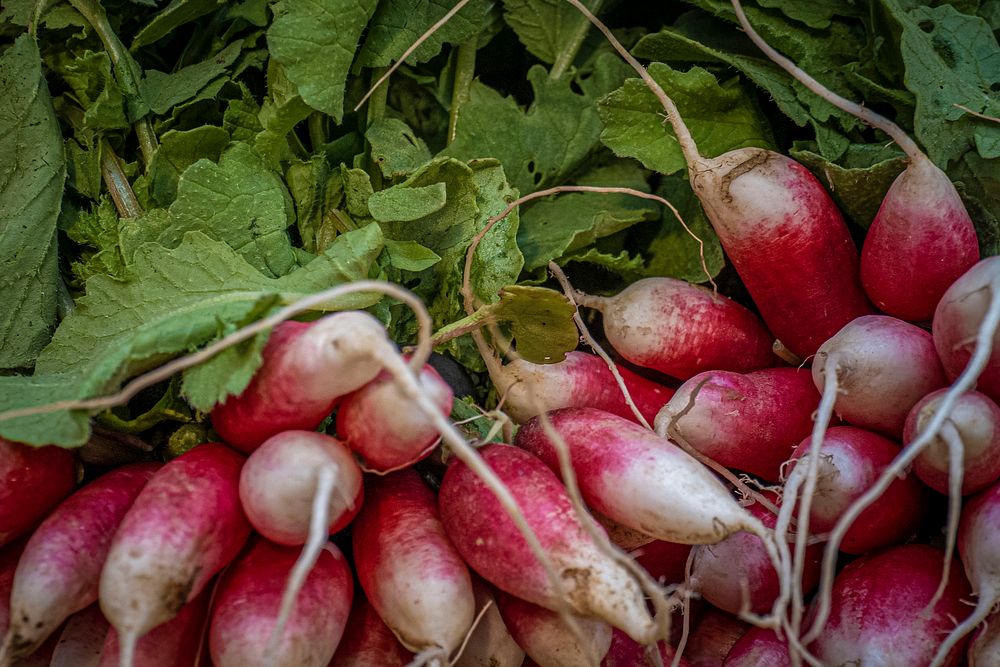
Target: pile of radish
751 509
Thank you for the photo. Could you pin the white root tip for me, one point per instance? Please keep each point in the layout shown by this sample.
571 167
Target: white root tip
126 648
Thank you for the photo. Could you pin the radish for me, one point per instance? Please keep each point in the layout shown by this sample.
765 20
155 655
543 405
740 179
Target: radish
368 641
547 640
176 643
663 560
751 422
307 367
409 569
922 238
682 329
626 653
9 555
758 646
383 436
61 565
883 367
82 640
879 610
32 481
581 380
713 638
976 420
490 644
185 526
246 609
492 545
623 537
984 649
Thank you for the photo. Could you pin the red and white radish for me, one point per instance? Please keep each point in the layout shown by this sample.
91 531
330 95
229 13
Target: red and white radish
246 609
385 437
32 481
61 565
624 652
581 380
490 542
367 640
410 571
750 421
306 368
682 329
546 638
9 555
176 643
82 639
758 647
490 644
879 610
185 526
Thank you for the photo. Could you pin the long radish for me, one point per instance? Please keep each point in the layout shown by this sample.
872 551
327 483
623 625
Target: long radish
367 640
176 643
922 238
547 640
32 481
491 643
409 569
61 565
161 557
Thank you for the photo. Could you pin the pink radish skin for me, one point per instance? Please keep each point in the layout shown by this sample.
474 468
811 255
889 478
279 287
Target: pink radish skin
307 367
713 638
725 573
850 461
32 481
60 568
545 637
624 652
759 646
682 329
383 436
750 422
409 569
957 319
787 241
185 526
581 380
82 640
490 543
920 242
279 480
490 644
246 609
175 643
368 641
878 604
885 366
639 479
977 419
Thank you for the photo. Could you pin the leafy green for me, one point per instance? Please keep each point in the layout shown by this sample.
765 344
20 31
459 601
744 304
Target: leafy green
395 148
398 23
178 150
31 188
161 91
93 86
173 16
547 28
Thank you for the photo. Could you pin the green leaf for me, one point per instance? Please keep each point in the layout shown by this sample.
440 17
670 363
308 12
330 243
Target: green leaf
178 150
672 251
395 148
170 407
406 203
318 192
410 255
498 260
94 87
720 116
162 91
315 40
541 322
543 145
561 224
546 27
83 168
279 114
66 428
31 187
173 16
398 23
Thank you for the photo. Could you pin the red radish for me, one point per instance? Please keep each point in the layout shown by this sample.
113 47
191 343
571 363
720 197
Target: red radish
490 644
32 481
176 643
759 646
751 422
977 421
545 637
245 612
883 366
958 318
626 653
984 649
879 606
60 568
409 569
682 329
639 479
581 380
368 641
922 238
385 437
185 526
736 574
665 561
713 638
492 545
851 460
82 640
307 367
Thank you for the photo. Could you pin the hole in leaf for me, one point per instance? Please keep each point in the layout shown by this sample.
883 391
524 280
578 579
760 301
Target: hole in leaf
926 26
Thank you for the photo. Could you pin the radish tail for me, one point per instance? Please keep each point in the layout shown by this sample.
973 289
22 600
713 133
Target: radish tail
126 643
956 454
